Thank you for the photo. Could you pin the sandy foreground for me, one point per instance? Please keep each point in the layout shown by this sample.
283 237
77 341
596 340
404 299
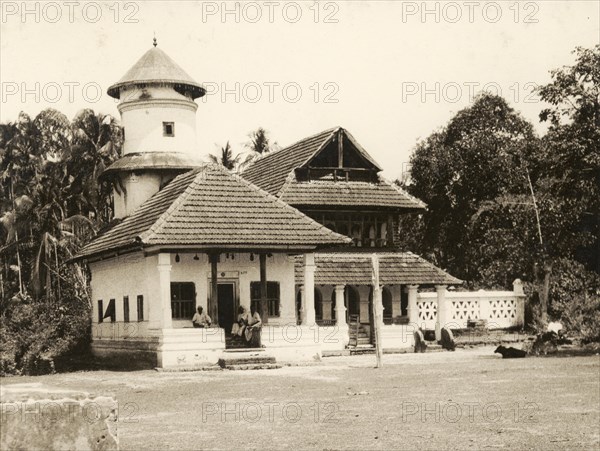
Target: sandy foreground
470 398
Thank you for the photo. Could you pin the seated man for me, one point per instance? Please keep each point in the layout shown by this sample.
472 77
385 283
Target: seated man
201 319
238 327
252 332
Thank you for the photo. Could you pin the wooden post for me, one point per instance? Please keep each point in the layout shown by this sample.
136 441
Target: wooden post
264 306
213 306
340 149
377 310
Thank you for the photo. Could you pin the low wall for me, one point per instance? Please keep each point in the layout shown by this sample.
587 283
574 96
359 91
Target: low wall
167 348
38 417
185 347
500 309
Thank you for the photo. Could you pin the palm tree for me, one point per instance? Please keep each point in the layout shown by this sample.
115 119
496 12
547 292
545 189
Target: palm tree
259 144
97 141
48 188
259 141
226 159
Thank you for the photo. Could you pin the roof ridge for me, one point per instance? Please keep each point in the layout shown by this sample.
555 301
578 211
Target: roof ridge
361 149
174 205
292 173
288 181
323 144
280 202
276 152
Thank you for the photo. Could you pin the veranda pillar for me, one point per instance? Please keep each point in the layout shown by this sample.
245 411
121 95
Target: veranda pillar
413 308
442 311
164 276
213 301
264 305
308 300
340 314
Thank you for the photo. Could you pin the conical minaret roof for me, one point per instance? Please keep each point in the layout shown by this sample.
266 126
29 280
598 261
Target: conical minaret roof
156 67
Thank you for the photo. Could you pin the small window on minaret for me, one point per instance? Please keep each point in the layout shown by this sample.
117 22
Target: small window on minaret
168 129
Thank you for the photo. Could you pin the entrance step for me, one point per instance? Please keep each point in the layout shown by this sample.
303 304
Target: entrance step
434 347
234 343
360 350
247 359
253 366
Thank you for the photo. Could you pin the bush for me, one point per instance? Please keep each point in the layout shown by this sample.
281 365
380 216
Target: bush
34 333
575 299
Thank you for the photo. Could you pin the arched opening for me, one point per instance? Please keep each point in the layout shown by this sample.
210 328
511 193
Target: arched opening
404 302
353 299
387 299
333 304
318 305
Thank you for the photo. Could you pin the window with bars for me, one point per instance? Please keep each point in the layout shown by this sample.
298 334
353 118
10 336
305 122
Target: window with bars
183 300
272 297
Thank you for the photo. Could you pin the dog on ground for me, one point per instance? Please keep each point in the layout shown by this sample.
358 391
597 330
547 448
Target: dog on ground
510 353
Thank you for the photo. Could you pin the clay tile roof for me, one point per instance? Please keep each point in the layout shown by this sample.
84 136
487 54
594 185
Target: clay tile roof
274 172
212 208
356 268
155 66
342 193
271 170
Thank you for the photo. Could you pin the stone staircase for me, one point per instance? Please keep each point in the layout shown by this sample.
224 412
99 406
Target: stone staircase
359 339
247 359
232 342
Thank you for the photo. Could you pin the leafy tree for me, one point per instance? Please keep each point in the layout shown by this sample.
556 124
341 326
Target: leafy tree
572 162
50 204
505 204
481 155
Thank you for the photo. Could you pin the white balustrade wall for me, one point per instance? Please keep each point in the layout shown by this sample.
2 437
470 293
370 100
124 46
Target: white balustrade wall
500 309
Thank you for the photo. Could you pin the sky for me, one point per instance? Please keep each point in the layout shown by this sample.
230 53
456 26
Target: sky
389 72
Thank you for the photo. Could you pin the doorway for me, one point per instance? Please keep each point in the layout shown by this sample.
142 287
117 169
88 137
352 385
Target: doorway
226 305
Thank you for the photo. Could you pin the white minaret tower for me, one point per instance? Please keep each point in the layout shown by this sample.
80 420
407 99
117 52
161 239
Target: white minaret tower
158 115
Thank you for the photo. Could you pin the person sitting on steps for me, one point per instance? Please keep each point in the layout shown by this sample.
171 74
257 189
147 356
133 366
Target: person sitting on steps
237 330
253 330
200 319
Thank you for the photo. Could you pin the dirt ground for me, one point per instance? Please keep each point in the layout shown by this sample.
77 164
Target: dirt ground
469 399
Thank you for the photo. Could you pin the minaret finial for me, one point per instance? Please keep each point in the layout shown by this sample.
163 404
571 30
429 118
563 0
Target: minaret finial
154 43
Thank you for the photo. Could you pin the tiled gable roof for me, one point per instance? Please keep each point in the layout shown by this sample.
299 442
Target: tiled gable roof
342 193
356 269
209 207
270 171
274 172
